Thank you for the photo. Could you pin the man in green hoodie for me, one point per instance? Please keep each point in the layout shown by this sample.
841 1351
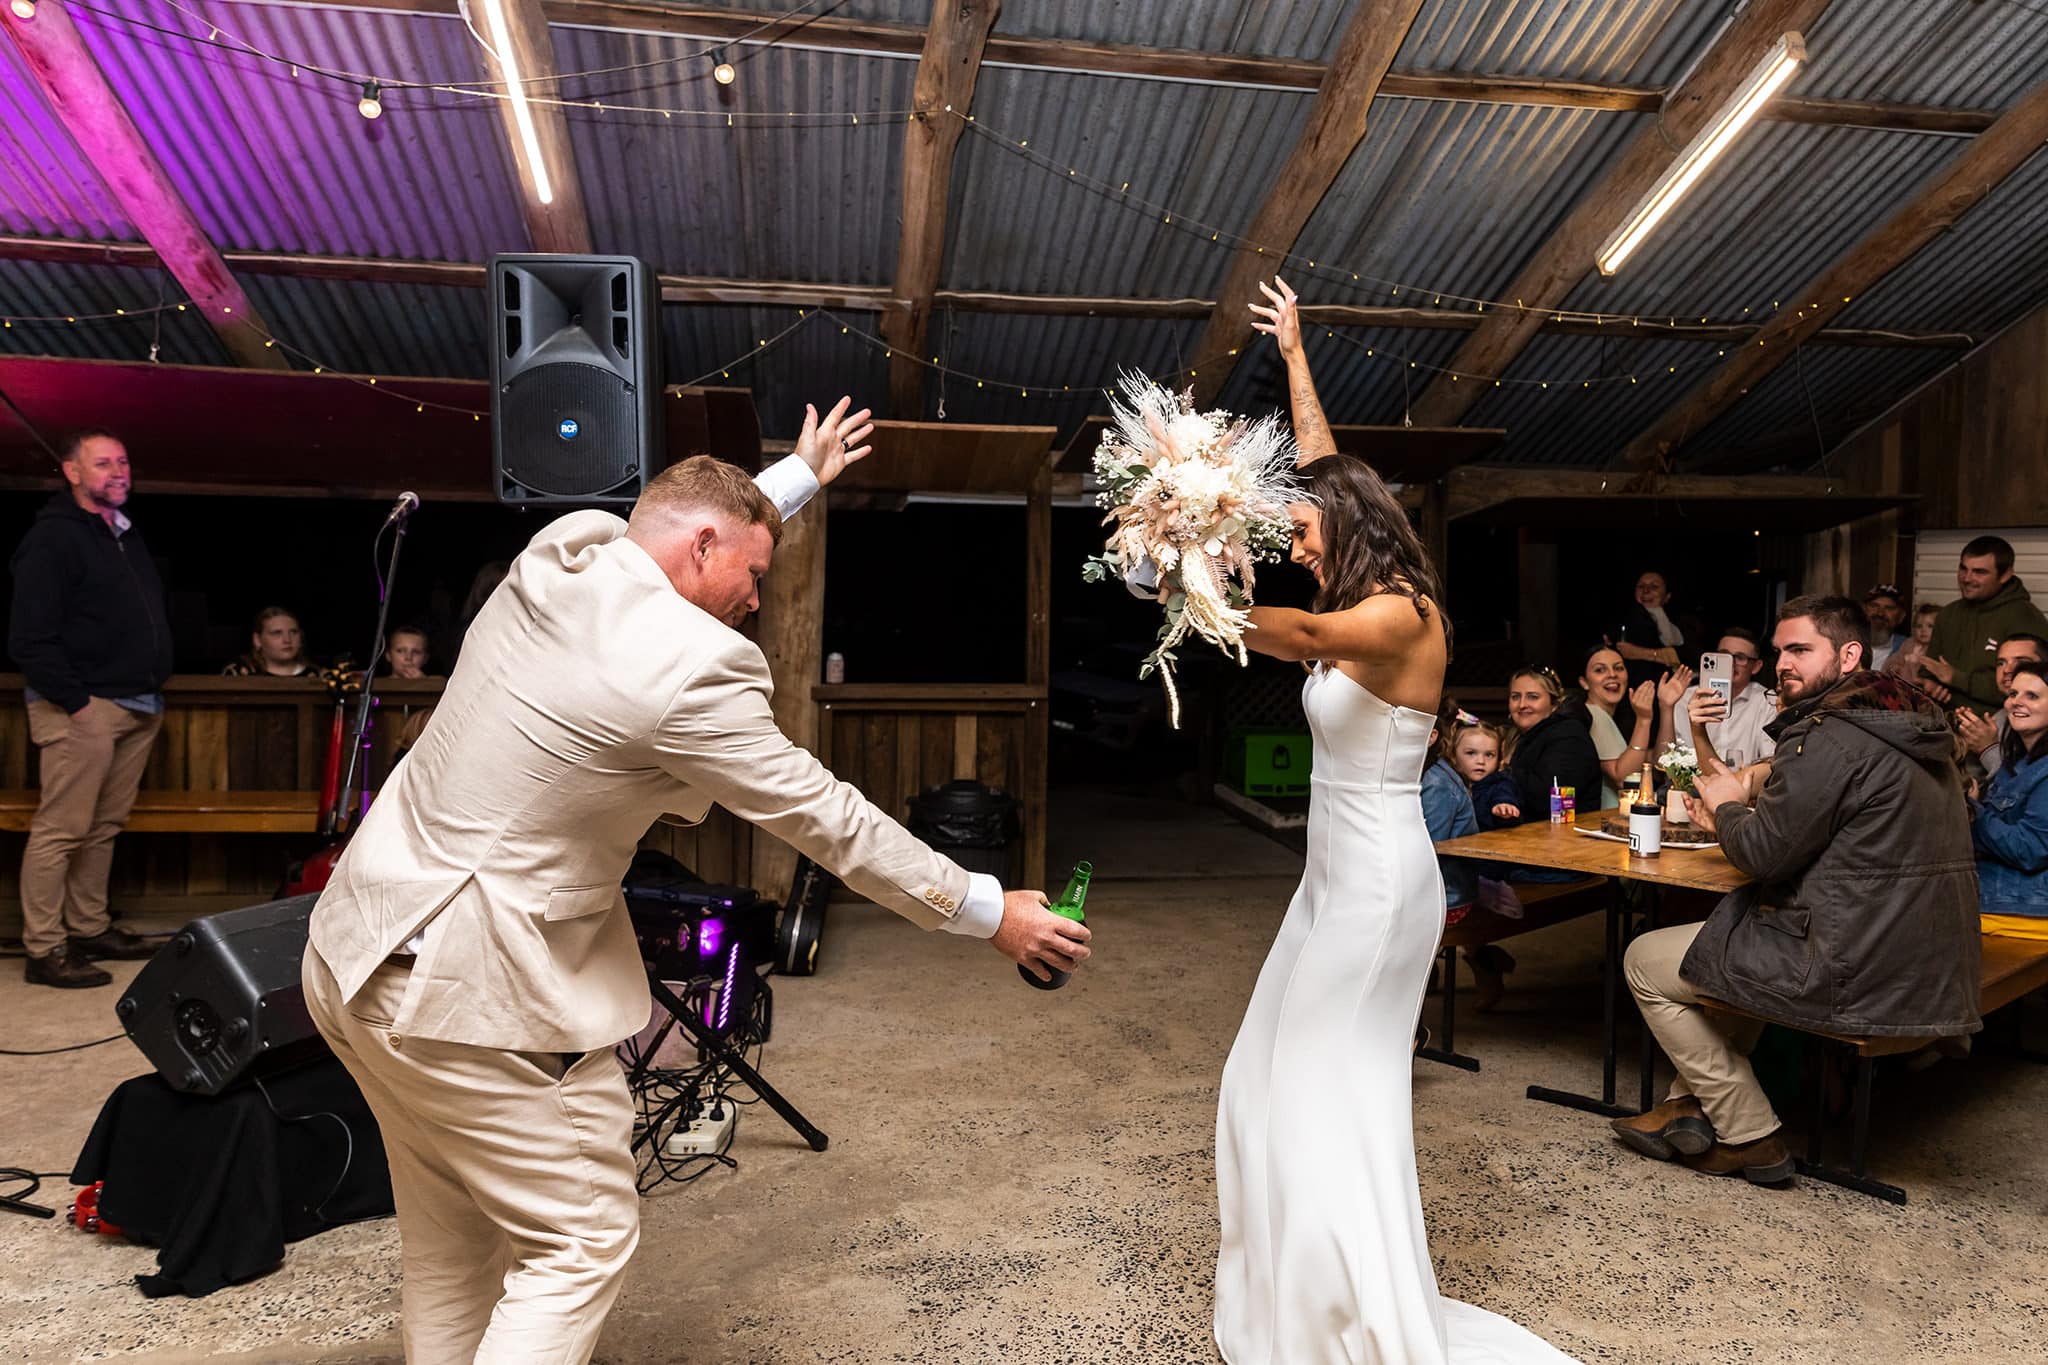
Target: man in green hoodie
1961 667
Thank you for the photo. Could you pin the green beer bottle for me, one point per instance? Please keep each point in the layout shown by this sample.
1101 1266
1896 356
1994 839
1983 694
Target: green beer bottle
1067 906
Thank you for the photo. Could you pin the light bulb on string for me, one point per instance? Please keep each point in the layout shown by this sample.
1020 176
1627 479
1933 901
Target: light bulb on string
370 106
23 9
723 71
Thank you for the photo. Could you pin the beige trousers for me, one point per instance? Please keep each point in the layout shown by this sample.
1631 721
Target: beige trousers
91 766
1710 1054
514 1183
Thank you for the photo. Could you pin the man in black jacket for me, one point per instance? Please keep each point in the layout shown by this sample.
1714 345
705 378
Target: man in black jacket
1861 920
90 633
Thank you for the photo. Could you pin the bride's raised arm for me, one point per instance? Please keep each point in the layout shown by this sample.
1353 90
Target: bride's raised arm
1282 322
1378 628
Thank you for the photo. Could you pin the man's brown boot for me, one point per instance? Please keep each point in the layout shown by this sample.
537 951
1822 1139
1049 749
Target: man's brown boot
117 944
1677 1127
1766 1161
62 968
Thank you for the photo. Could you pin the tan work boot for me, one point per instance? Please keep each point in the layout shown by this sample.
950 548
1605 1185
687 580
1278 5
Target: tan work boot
1766 1161
1677 1127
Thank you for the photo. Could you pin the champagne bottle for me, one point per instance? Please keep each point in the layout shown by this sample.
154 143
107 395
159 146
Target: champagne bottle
1068 906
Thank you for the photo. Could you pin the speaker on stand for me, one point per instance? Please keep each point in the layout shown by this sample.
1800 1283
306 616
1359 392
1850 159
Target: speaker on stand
575 379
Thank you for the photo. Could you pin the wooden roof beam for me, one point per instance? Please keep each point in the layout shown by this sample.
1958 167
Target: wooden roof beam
551 197
1940 203
76 88
1565 257
868 298
946 72
1335 127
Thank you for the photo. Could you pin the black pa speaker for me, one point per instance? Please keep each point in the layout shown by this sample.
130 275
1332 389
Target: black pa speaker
222 999
575 378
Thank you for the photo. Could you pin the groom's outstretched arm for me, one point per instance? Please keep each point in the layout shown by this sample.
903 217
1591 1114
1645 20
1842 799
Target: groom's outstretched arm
827 446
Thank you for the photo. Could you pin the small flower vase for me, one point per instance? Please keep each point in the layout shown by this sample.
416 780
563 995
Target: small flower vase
1674 807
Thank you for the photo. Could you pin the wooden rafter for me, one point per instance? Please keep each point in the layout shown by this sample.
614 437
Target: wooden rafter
76 88
1565 257
563 223
1336 124
946 74
1120 59
866 298
1941 201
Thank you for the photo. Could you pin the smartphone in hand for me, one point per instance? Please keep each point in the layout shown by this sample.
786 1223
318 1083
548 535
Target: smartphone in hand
1717 674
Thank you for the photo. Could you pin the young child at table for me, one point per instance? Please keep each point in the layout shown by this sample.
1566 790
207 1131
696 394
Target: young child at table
1475 753
1447 811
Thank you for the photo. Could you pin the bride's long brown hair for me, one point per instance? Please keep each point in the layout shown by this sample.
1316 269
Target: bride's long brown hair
1368 545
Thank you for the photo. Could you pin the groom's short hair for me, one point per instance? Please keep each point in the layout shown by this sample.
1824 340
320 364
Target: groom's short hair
703 483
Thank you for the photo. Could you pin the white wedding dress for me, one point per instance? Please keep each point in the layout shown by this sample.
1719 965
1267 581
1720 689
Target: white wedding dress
1324 1257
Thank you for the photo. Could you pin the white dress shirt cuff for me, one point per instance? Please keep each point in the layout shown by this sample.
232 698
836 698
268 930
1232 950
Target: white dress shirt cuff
789 484
981 912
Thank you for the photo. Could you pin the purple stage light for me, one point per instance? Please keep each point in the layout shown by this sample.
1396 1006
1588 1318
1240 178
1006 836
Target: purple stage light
710 934
732 975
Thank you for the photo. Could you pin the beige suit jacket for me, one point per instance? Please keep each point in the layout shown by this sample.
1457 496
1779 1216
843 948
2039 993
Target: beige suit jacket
590 700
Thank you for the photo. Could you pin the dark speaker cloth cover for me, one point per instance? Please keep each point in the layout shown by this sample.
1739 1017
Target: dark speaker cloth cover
220 1183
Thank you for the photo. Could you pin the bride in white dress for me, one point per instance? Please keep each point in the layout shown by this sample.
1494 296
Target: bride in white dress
1324 1255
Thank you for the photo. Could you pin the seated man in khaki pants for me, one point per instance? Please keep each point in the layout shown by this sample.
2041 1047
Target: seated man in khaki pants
1862 919
472 962
90 631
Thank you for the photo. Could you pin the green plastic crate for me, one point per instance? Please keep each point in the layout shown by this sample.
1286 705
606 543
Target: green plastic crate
1268 763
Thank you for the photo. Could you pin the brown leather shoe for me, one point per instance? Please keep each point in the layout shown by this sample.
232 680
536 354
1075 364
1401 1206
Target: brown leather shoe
63 968
117 944
1766 1161
1677 1127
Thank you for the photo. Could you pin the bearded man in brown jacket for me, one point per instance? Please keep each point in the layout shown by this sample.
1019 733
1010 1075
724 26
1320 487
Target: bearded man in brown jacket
1862 918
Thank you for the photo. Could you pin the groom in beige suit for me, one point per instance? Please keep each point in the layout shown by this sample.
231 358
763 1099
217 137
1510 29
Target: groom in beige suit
472 963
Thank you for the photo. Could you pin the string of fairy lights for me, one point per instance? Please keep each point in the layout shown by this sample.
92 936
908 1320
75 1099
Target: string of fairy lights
1112 189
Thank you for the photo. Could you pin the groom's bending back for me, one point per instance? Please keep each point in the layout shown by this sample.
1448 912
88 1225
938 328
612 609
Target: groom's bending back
472 962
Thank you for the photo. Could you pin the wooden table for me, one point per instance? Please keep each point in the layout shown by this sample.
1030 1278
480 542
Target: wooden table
160 812
1562 848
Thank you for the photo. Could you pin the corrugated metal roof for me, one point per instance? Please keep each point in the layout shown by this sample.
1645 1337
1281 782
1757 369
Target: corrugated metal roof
1841 387
1063 364
1986 271
1781 206
1631 42
1354 387
814 364
40 289
1453 197
1441 196
47 187
273 162
755 200
1968 56
1569 424
361 327
1207 151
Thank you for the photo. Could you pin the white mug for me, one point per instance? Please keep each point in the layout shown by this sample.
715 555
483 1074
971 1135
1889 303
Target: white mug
1645 831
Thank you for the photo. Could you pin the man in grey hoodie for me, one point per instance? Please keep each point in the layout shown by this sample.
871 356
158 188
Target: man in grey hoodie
1861 920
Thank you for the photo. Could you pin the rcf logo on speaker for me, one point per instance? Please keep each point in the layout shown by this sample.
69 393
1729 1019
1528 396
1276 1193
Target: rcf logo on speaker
568 428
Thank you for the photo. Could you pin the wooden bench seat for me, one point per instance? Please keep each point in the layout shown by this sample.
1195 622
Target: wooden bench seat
182 812
2012 969
1543 904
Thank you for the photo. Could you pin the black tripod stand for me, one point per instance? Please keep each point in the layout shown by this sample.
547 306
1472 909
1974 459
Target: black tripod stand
681 1016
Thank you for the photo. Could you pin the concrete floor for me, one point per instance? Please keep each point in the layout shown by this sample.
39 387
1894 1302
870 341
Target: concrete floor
1017 1176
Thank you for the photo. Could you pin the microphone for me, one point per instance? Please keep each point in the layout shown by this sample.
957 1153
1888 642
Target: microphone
408 503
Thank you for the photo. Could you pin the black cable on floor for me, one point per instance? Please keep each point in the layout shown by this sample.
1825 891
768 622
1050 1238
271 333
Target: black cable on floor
17 1200
52 1051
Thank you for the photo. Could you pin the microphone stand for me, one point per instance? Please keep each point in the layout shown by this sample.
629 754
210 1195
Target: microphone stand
360 738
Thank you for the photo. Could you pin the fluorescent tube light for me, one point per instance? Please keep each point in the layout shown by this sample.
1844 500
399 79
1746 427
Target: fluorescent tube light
522 112
1771 74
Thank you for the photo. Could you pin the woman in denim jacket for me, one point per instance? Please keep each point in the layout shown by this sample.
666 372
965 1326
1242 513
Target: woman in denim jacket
2009 822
